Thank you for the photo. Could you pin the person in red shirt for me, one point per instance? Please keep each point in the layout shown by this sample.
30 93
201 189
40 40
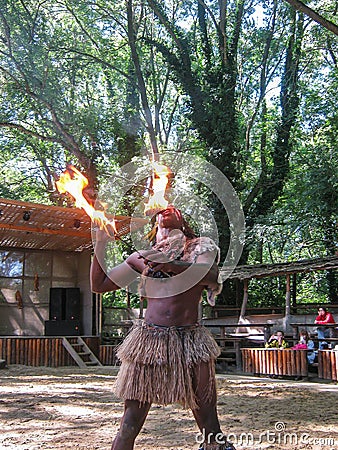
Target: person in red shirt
324 317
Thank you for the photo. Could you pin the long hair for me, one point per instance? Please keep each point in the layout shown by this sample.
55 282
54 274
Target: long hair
305 334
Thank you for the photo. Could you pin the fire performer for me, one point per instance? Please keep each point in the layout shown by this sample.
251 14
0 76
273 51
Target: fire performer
169 357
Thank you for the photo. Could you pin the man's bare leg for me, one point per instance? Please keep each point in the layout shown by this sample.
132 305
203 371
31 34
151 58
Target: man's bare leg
206 415
132 421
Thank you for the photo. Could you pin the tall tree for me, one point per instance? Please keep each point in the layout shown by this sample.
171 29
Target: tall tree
97 83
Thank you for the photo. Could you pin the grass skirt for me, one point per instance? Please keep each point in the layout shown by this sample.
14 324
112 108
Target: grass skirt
159 364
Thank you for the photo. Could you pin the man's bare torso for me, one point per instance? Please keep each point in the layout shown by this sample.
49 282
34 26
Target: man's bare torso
178 310
175 310
174 300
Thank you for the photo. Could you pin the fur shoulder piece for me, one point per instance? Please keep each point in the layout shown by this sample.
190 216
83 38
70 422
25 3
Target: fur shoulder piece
196 247
177 246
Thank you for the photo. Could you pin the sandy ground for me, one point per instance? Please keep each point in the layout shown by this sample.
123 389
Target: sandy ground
70 408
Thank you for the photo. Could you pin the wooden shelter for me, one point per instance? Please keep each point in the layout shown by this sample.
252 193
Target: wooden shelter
247 272
41 227
45 250
41 247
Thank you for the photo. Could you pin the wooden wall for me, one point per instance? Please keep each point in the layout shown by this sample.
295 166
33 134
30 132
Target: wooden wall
108 355
41 351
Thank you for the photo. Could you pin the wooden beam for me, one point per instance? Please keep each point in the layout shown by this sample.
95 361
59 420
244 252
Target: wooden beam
60 231
34 206
294 290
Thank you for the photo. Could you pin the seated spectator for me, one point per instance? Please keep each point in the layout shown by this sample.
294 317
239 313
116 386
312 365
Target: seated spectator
277 341
305 343
324 317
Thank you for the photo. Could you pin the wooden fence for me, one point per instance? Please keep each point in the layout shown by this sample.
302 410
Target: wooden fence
328 364
41 351
49 351
285 362
108 355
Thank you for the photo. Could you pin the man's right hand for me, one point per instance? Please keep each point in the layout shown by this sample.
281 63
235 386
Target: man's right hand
104 236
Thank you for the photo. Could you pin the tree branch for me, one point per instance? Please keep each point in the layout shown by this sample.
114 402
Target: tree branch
300 6
263 75
140 79
25 130
95 58
163 19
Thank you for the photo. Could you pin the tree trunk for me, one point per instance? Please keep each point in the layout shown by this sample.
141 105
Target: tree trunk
140 79
275 181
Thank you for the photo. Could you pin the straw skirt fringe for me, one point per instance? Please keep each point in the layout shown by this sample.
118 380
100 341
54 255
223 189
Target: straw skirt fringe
158 364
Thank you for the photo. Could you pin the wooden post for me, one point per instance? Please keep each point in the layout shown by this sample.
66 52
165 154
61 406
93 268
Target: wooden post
141 308
287 300
238 292
237 346
304 364
265 369
8 351
298 362
245 298
294 293
99 313
128 299
275 361
17 351
280 363
285 361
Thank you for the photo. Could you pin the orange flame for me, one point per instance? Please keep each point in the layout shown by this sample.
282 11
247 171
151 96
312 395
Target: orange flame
73 182
157 202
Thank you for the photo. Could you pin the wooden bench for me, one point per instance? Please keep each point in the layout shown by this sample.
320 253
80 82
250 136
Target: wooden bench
230 350
279 362
298 326
231 329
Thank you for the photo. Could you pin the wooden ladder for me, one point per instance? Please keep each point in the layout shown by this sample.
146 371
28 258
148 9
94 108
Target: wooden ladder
80 352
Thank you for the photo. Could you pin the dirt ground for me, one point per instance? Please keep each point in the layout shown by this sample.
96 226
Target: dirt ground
71 408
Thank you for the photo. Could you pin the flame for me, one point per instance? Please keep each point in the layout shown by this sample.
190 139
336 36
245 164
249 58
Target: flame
73 182
157 202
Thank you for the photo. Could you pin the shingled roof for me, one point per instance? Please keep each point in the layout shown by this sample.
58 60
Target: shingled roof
45 227
269 270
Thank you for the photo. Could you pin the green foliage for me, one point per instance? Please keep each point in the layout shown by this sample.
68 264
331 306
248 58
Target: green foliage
267 292
118 299
70 93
